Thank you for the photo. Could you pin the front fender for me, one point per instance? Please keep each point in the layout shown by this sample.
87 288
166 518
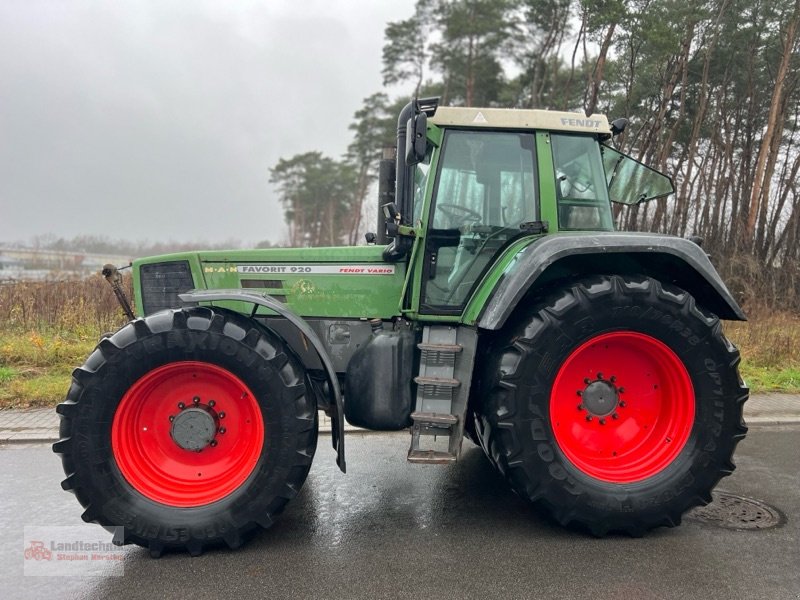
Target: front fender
563 256
337 429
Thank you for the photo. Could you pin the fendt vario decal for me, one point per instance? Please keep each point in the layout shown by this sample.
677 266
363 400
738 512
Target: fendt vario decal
318 269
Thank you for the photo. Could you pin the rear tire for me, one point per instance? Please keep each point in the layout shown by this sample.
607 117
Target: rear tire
187 429
615 405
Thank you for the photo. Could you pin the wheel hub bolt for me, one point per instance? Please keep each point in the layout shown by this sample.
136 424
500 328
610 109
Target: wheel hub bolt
181 405
588 417
587 381
613 379
580 406
196 399
222 430
599 375
213 443
615 416
212 403
580 393
602 421
171 418
221 415
622 403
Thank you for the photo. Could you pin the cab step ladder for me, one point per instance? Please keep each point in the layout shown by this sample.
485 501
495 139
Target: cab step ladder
447 355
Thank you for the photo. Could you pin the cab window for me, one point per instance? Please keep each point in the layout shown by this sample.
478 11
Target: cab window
631 182
581 192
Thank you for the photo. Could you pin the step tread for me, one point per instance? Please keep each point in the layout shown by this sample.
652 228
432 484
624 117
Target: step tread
443 381
454 348
436 418
430 457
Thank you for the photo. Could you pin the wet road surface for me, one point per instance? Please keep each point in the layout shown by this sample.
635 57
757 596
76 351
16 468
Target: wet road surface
389 529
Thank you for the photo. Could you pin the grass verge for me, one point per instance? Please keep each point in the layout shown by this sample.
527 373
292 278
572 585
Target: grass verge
36 366
37 356
770 347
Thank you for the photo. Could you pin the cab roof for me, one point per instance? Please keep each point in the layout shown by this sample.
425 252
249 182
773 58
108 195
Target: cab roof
512 118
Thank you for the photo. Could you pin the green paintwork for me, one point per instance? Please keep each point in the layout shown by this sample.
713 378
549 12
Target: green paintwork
505 263
548 211
345 295
417 257
365 295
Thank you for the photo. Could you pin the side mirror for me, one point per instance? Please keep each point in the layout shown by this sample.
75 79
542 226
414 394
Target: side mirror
618 126
389 211
392 218
416 138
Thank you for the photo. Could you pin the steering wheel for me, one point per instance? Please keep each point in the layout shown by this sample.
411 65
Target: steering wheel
467 214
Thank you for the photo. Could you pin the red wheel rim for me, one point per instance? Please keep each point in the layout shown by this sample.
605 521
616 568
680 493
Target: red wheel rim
143 437
622 407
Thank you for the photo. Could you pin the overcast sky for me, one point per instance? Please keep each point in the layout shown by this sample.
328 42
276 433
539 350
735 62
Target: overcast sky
159 120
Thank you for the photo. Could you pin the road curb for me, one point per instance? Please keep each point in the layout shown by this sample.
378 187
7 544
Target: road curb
22 442
787 420
40 425
21 432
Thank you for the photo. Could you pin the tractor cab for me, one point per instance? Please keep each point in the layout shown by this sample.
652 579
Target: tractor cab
480 179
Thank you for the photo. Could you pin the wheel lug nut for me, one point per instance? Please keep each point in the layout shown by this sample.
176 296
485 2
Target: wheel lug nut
196 399
171 418
580 406
602 421
615 416
580 393
622 404
211 403
222 430
222 415
587 381
181 405
621 390
588 417
612 379
213 443
599 375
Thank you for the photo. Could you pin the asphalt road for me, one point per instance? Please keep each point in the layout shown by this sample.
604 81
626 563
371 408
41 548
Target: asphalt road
389 529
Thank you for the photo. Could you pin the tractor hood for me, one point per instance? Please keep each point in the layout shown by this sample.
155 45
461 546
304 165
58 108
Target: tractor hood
342 282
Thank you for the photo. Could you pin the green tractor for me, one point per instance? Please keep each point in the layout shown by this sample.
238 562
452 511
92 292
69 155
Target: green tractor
497 303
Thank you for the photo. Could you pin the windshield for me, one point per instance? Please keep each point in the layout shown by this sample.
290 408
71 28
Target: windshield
484 192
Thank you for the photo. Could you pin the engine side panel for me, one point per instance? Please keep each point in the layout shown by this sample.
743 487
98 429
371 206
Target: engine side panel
342 282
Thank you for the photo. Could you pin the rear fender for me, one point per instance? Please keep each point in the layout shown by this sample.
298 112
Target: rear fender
562 257
337 418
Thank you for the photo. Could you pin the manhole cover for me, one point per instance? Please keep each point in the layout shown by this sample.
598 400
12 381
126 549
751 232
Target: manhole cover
736 512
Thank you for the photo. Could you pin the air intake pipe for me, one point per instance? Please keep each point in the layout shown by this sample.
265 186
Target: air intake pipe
404 184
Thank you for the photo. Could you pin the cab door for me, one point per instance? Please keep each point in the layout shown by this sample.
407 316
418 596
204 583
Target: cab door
485 191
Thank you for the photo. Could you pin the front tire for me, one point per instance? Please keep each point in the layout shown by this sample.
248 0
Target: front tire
187 429
615 405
